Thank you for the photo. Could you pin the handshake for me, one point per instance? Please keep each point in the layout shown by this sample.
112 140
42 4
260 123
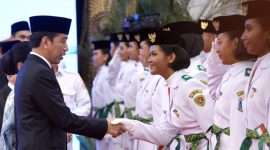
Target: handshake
118 126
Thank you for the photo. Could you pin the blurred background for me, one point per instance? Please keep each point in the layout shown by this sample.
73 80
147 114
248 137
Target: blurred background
95 19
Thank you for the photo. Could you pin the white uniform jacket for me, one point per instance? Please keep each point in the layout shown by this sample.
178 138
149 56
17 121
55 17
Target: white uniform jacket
257 97
190 109
228 110
75 93
197 70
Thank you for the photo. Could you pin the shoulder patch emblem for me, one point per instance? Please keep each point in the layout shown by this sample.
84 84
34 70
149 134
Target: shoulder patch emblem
204 82
201 68
142 78
247 72
240 93
199 100
193 93
186 77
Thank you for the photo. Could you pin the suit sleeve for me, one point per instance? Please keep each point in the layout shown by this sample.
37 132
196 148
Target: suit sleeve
48 97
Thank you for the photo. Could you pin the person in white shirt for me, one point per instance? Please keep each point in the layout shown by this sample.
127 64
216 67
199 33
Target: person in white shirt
76 97
189 107
101 88
192 34
256 105
209 35
119 71
148 101
228 127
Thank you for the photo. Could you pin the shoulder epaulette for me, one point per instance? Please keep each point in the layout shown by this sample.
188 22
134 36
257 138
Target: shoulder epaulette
201 68
247 72
186 77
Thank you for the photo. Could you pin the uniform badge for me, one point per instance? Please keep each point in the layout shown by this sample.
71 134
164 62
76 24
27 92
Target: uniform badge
186 77
219 94
176 113
204 25
204 82
142 78
247 72
253 91
261 130
240 95
127 36
201 68
119 37
152 37
137 38
167 29
191 95
216 25
199 100
245 9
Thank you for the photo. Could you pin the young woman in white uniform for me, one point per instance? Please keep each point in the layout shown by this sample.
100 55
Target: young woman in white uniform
257 97
228 131
190 106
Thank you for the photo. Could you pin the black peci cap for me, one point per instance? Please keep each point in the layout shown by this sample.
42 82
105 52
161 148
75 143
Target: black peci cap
18 53
183 27
122 37
101 44
206 26
113 37
143 33
255 9
224 23
50 24
7 45
163 37
19 26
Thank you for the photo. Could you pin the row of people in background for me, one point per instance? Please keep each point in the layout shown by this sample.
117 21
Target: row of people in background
174 95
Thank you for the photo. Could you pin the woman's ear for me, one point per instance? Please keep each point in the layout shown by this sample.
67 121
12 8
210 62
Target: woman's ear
171 58
106 57
236 42
19 65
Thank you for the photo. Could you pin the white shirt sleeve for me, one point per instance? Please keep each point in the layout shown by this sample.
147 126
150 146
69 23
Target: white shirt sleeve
161 134
216 70
201 103
82 98
114 67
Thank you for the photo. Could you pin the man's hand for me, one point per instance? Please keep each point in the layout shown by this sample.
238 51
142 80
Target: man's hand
115 130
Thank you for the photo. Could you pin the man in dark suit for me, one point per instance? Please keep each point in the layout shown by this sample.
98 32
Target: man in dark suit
42 118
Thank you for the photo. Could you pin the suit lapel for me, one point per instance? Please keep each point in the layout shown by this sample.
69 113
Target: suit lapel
37 59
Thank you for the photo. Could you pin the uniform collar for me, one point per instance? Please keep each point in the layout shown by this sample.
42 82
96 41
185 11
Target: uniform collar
59 72
264 60
195 59
173 80
240 67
